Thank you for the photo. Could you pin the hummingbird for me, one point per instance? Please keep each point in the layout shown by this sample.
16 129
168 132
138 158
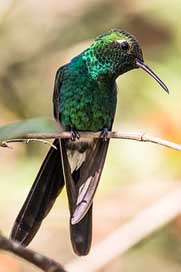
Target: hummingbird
84 99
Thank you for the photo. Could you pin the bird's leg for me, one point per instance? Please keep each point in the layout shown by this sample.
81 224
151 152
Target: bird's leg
75 134
104 134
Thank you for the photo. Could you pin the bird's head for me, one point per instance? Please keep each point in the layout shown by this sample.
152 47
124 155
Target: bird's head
117 52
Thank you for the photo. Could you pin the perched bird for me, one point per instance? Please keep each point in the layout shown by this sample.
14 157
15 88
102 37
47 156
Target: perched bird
84 100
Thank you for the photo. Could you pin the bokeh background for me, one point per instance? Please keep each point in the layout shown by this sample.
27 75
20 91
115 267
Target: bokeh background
36 37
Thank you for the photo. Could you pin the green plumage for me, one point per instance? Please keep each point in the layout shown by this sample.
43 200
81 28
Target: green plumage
84 100
85 103
88 91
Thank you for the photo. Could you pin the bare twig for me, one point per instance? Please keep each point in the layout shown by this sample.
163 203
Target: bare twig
136 136
44 263
5 143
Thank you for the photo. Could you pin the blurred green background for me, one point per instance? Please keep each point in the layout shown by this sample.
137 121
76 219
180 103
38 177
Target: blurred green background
36 38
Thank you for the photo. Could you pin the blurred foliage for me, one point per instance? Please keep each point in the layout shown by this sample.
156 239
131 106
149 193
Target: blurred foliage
34 125
39 36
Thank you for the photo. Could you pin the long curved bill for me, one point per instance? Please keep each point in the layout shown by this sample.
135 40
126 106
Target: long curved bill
143 66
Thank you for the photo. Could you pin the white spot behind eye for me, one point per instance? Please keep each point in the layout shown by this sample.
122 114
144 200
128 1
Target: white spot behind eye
121 41
124 44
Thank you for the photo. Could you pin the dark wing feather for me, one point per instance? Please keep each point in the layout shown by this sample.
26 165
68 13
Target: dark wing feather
69 181
90 173
81 233
81 188
46 187
56 92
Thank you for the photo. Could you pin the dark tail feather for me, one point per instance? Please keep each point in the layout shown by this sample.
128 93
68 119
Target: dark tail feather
81 234
46 187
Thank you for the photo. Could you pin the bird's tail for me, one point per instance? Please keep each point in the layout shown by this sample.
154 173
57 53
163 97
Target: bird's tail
46 187
81 234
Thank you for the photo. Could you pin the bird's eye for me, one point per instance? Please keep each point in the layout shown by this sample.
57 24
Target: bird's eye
125 45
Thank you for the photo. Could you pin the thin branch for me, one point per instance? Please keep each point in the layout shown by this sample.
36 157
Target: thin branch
40 261
27 141
136 136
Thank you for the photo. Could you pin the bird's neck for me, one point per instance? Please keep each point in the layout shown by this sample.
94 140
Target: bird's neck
98 66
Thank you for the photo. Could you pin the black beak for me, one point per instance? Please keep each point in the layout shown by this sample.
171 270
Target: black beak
141 64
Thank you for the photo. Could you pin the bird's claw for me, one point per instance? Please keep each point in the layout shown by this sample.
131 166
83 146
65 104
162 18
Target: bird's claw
75 135
104 134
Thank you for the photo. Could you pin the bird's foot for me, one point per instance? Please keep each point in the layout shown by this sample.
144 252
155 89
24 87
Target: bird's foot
75 135
104 134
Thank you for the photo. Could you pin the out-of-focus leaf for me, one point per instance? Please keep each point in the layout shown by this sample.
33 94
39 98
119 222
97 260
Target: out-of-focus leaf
35 125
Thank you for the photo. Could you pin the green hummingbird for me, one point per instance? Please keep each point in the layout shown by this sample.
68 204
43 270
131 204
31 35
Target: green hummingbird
84 99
